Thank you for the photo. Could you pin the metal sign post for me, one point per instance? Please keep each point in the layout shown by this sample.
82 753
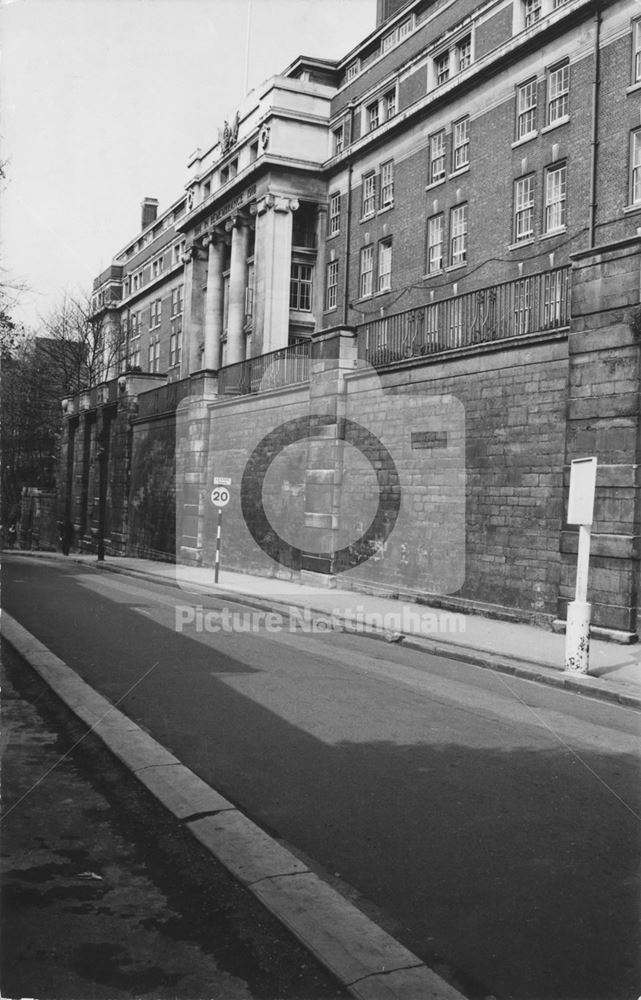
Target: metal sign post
220 498
580 511
218 532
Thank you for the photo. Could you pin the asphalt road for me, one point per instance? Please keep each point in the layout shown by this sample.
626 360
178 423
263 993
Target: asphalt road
491 824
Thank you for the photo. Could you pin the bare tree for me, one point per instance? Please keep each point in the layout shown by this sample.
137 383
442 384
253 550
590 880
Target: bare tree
73 351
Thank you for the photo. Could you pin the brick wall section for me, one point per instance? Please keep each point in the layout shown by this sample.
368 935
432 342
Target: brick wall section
603 420
493 32
618 115
486 187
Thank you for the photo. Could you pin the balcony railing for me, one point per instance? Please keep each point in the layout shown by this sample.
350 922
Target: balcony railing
288 366
532 304
164 398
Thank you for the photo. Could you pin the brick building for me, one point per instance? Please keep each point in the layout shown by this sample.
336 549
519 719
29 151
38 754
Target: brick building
455 202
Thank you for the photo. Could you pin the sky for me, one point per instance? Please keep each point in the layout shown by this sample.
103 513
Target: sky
103 101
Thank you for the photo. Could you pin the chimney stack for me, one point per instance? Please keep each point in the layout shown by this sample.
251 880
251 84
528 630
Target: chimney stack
149 211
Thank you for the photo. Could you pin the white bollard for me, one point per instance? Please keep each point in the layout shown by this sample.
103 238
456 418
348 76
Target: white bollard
577 637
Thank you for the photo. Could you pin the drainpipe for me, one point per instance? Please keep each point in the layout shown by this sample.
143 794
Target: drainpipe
348 240
595 128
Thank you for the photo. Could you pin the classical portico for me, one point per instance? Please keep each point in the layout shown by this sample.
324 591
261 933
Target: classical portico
222 256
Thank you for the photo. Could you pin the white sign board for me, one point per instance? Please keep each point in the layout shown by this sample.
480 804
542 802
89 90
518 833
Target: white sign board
219 496
582 486
222 481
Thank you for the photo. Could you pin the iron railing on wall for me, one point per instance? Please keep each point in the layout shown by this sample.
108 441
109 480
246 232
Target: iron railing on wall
288 366
164 398
532 304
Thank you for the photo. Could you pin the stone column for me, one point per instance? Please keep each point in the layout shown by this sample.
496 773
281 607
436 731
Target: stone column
214 301
193 312
273 271
237 284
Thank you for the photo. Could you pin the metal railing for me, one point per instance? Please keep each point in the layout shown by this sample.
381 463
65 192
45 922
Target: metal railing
288 366
532 304
164 398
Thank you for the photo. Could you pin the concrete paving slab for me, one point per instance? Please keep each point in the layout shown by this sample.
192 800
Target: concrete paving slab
344 939
405 984
244 849
181 791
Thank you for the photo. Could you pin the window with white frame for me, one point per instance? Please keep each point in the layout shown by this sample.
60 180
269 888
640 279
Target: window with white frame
153 355
300 287
179 250
636 51
134 354
369 195
526 109
524 208
442 68
555 195
532 12
437 157
388 41
175 341
384 265
176 300
249 291
334 214
389 103
339 139
380 110
352 70
461 144
635 167
134 325
157 267
558 93
155 313
367 271
405 27
332 285
464 53
435 229
387 184
397 35
458 234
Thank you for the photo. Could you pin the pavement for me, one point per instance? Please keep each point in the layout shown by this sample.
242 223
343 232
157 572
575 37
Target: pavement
94 904
514 648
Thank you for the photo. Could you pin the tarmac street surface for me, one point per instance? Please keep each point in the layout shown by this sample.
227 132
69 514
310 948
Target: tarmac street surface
489 823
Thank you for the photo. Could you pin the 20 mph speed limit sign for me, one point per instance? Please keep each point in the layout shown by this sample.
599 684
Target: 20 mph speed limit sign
220 496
